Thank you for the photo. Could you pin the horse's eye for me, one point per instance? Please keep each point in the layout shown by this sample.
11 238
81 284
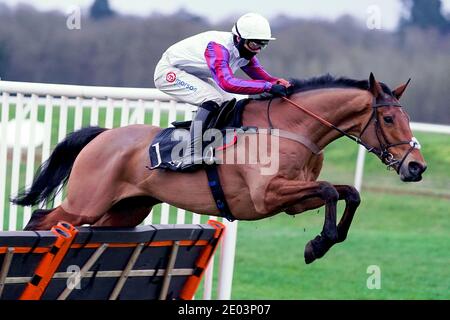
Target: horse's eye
388 119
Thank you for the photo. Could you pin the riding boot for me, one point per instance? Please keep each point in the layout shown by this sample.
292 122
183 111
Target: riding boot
199 124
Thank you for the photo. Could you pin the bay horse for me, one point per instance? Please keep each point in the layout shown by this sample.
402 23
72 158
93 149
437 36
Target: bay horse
108 183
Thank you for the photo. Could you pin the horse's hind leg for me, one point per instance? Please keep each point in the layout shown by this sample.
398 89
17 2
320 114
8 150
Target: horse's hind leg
127 213
45 219
36 219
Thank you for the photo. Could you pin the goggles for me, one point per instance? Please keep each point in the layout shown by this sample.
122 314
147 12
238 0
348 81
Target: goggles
257 44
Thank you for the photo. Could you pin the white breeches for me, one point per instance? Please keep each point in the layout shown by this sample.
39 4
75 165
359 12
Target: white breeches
186 87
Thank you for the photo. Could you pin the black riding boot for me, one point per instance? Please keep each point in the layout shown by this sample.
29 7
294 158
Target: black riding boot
199 124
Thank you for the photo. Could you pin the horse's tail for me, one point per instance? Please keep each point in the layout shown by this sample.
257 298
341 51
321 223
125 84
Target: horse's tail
55 171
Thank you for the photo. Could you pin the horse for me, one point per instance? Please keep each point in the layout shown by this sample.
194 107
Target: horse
109 184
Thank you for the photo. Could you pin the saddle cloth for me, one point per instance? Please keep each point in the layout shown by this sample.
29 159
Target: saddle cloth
169 145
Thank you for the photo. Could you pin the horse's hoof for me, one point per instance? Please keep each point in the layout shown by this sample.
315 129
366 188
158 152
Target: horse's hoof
309 253
32 225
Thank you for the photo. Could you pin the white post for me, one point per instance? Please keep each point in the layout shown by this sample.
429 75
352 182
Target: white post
17 151
208 280
156 118
125 113
31 151
48 128
209 275
359 167
156 113
62 132
181 214
78 114
3 154
94 112
140 112
109 121
226 263
165 208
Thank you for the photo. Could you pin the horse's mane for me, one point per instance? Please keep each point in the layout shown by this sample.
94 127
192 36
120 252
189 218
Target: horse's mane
327 81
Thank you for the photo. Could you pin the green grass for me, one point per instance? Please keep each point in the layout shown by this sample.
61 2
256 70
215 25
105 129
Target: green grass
408 240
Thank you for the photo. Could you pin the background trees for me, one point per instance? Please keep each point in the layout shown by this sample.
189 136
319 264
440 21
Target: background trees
425 14
121 50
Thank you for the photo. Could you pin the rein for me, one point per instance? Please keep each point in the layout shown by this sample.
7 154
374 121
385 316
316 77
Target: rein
382 152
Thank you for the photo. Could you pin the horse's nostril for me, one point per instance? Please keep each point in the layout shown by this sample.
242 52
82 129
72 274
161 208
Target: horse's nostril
416 168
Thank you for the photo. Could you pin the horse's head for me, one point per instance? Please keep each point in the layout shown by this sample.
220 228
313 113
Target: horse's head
388 134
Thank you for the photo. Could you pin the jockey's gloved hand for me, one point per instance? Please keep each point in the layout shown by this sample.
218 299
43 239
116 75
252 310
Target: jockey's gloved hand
284 82
278 90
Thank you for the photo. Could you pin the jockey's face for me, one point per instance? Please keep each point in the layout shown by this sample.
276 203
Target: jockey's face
244 49
253 46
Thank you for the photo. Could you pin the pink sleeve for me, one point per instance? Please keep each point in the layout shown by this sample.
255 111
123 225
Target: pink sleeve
217 58
256 71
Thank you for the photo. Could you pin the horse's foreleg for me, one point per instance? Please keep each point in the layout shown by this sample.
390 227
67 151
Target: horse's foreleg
352 201
317 247
306 196
320 245
347 193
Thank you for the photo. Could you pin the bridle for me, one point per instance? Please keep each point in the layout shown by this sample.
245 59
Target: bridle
383 151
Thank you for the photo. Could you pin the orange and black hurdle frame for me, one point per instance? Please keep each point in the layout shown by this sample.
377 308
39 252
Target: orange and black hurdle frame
65 234
146 262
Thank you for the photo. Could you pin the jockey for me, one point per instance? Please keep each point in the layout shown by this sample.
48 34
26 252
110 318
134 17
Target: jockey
200 70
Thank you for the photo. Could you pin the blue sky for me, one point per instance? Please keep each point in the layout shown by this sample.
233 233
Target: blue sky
391 10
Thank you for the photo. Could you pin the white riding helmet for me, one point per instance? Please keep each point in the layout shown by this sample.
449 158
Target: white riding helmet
252 26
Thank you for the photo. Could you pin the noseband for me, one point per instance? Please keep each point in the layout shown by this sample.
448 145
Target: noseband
383 151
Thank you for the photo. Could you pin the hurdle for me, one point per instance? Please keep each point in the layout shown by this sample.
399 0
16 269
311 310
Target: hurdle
152 262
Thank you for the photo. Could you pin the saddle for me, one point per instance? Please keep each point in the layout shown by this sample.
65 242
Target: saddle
227 115
167 148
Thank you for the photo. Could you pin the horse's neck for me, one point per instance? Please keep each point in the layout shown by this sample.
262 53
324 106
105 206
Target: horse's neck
347 109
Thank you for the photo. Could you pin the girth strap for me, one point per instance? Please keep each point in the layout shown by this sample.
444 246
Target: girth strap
217 192
284 134
296 137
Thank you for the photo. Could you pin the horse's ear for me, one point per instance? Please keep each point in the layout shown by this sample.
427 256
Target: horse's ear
399 90
374 86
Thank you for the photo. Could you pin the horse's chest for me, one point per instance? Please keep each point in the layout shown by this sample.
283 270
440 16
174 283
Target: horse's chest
293 167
